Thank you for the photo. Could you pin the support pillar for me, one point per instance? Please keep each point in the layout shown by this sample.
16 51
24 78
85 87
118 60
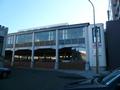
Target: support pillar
87 65
13 54
32 56
57 52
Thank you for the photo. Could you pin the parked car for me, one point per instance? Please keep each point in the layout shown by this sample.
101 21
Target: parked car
109 82
4 72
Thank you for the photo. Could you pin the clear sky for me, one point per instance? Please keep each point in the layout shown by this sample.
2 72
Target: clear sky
23 14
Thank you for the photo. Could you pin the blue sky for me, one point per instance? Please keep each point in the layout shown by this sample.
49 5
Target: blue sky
23 14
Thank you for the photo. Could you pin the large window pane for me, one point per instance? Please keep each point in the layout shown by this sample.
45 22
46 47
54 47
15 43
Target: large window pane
45 36
23 38
72 33
42 36
71 36
10 40
75 33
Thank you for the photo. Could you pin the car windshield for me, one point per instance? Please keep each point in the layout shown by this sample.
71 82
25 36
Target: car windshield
110 77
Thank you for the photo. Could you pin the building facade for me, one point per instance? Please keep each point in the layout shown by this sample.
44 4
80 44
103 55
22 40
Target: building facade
114 10
59 47
3 37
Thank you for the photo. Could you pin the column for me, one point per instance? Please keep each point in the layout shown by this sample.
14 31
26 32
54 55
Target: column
57 55
13 54
87 39
32 56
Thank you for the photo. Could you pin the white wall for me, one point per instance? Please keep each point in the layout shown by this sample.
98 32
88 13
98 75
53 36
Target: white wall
92 50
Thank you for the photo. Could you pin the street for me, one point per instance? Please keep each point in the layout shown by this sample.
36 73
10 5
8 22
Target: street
28 79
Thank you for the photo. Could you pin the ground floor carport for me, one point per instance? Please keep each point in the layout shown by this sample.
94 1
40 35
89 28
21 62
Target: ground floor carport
46 57
21 58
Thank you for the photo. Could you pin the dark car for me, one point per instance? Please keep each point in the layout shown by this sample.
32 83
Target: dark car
109 82
4 72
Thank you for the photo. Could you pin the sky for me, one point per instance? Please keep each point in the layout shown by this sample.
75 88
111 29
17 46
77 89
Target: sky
23 14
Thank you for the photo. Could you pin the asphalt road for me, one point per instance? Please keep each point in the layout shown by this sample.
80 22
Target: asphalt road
27 79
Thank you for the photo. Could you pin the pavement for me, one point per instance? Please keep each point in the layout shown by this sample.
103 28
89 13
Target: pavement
37 79
77 73
87 74
42 79
73 73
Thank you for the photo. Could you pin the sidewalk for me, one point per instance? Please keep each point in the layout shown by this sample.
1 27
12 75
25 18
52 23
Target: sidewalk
86 74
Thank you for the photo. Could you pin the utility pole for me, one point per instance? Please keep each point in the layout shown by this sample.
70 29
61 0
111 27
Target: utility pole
96 41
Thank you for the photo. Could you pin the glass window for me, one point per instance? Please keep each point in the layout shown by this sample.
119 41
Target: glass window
23 38
75 33
45 36
65 34
72 33
10 40
52 35
60 34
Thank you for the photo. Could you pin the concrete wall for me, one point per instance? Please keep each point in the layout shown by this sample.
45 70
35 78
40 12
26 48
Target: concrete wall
92 48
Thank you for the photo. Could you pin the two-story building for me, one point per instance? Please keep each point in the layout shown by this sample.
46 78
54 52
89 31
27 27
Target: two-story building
61 46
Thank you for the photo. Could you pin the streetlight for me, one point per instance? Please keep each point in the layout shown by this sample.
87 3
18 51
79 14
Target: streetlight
96 35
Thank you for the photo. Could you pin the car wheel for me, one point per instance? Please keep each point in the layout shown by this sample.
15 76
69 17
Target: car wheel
4 74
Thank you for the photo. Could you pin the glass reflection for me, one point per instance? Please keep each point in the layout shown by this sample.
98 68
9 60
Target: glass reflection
72 36
23 38
45 38
10 40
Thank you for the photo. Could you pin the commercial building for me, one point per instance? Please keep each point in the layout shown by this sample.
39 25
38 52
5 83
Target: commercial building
114 10
61 46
